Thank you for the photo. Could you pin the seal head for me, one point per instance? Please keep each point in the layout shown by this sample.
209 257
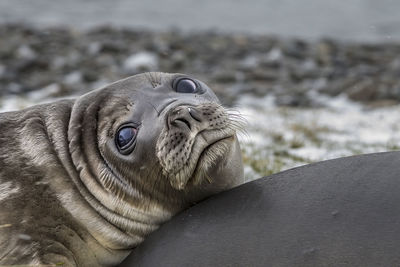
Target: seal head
194 138
169 128
113 164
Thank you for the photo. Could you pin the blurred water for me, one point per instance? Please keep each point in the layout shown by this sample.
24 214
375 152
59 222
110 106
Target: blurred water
358 20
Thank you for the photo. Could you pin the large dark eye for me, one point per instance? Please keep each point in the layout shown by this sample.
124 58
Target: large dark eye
125 139
186 86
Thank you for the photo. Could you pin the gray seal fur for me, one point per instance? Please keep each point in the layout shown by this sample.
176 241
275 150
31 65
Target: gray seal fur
67 194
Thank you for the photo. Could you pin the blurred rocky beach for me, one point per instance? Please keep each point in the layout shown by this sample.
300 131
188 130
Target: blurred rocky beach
304 100
65 61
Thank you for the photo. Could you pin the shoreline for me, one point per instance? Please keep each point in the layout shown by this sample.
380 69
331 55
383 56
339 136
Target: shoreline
308 19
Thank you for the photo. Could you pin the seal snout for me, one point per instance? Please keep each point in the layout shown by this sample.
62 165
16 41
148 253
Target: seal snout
194 139
186 117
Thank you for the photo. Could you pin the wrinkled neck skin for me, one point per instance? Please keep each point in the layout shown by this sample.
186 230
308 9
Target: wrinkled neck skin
102 232
116 200
126 210
117 212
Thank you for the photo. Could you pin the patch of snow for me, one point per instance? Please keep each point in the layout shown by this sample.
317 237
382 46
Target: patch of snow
250 62
12 103
94 48
311 153
26 52
73 78
274 55
309 65
45 92
141 61
340 128
249 101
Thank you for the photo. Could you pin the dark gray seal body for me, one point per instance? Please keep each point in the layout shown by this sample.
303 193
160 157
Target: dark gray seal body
342 212
83 181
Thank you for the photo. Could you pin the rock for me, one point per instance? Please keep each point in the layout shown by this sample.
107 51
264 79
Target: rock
73 77
142 61
225 76
275 55
26 52
46 92
2 70
94 48
249 62
235 64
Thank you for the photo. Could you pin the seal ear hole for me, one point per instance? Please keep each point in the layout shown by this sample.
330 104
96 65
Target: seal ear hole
125 139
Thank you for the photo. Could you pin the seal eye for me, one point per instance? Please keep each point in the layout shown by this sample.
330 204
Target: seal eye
125 138
186 86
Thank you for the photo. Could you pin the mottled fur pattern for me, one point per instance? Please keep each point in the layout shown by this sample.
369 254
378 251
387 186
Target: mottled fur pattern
67 196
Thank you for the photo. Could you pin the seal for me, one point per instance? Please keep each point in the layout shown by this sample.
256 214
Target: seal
341 212
83 181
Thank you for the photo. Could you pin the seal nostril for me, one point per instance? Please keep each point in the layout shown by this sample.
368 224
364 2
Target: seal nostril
184 121
194 114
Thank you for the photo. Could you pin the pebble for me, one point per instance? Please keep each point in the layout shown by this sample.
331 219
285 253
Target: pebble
142 61
73 62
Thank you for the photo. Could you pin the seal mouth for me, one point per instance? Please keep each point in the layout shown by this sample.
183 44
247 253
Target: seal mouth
202 164
209 153
194 139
